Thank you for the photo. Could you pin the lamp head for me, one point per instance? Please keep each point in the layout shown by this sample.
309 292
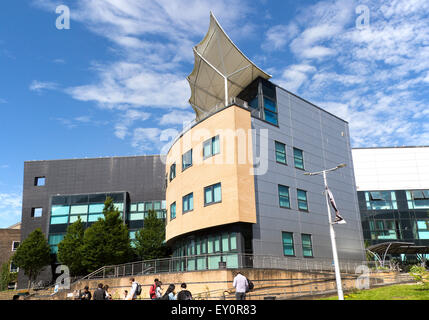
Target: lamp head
342 165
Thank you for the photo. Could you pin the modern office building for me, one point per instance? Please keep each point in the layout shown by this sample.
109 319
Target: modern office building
236 182
57 192
233 181
393 193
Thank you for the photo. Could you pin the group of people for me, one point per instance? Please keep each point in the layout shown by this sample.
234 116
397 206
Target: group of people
101 293
156 291
241 284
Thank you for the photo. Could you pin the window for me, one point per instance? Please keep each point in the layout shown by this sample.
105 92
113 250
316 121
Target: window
173 211
302 200
418 199
187 160
270 111
284 197
172 171
384 229
380 200
188 203
212 194
307 247
39 181
422 229
280 152
288 248
54 240
298 157
36 212
15 245
13 268
211 147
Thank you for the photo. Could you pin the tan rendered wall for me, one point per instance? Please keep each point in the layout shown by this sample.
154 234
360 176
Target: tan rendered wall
232 167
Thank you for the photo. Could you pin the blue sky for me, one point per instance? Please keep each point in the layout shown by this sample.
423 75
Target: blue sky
114 83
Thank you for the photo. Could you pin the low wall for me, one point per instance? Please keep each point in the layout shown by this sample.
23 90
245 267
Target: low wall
217 284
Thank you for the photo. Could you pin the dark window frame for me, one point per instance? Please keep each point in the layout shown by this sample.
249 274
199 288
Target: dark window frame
212 193
187 200
183 163
288 192
298 200
276 152
211 141
293 244
295 158
311 245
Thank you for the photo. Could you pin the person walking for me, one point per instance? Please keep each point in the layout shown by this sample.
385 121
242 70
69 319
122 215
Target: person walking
133 292
107 295
86 294
152 290
241 286
169 294
158 290
184 294
99 293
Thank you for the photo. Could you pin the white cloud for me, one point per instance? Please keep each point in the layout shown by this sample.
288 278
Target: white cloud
295 75
375 77
131 84
127 119
39 86
177 117
10 209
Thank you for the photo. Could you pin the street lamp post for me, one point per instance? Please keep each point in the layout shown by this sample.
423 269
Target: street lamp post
331 229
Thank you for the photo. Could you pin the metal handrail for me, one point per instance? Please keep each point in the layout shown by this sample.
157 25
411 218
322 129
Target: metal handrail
189 263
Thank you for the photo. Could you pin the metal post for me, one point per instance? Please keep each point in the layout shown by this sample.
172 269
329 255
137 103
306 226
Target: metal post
334 245
226 91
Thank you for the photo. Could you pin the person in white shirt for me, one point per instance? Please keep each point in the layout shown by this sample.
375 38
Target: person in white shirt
132 295
240 284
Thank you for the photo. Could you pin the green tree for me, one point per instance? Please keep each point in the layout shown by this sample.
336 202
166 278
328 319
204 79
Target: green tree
70 249
33 255
107 241
150 240
6 276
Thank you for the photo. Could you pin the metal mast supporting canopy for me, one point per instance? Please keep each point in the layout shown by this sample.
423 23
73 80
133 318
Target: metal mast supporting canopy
221 71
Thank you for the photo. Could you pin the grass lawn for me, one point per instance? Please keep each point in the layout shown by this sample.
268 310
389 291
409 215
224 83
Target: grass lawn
395 292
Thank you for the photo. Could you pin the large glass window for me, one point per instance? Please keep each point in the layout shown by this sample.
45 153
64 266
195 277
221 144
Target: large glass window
284 201
298 157
80 209
307 246
288 247
270 111
96 208
418 199
211 147
188 202
302 200
172 171
280 152
381 200
384 229
173 211
60 210
212 194
54 240
59 220
422 229
187 160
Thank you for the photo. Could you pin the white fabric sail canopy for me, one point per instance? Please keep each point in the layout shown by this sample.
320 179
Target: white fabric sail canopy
221 71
